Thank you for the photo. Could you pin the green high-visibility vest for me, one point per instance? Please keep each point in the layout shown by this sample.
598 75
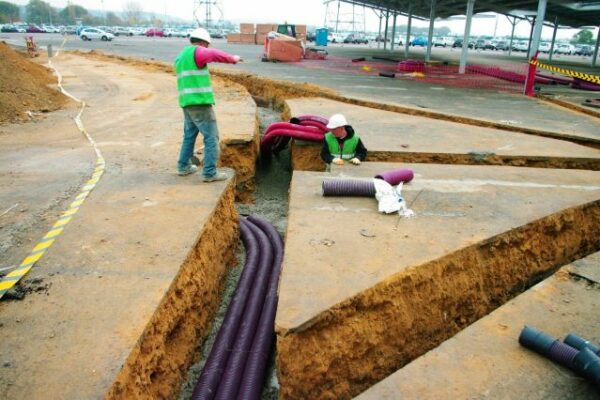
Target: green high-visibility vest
347 152
193 83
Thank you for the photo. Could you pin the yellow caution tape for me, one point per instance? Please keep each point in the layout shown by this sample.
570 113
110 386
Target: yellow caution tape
12 278
567 72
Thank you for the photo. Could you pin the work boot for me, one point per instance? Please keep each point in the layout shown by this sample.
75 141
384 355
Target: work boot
219 176
190 169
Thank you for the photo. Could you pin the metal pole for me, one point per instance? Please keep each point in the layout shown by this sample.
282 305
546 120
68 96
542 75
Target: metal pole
551 52
512 35
537 30
406 45
530 35
337 19
379 34
596 48
467 34
393 31
430 37
465 46
387 19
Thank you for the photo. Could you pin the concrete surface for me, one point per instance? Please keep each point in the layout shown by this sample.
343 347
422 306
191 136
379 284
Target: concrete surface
486 361
457 207
398 137
363 293
124 296
512 110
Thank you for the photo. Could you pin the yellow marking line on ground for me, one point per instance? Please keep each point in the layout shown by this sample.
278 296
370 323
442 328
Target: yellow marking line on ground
12 278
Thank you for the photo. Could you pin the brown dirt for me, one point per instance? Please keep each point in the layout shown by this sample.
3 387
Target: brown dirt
26 86
156 368
357 343
305 157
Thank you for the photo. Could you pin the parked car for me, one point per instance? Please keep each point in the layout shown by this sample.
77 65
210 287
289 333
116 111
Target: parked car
485 44
564 48
34 29
502 45
50 29
520 46
122 31
335 37
442 41
419 41
95 33
459 43
356 38
216 33
9 28
584 50
154 32
544 47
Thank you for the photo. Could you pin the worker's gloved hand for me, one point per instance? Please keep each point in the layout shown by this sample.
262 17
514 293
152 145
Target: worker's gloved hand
338 161
237 59
355 161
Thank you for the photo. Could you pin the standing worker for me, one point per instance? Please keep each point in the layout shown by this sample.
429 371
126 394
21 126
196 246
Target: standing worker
342 143
196 98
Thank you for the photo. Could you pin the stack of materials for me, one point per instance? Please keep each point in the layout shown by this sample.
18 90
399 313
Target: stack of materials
283 48
262 30
246 35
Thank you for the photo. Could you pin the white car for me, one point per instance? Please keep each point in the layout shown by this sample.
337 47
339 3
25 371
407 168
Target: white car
95 33
336 37
564 48
544 47
442 41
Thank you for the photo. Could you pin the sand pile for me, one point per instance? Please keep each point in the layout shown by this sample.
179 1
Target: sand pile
25 86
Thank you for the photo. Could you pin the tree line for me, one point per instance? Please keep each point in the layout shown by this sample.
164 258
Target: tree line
41 12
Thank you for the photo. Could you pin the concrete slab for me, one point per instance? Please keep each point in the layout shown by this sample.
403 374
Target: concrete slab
391 136
486 361
362 293
129 289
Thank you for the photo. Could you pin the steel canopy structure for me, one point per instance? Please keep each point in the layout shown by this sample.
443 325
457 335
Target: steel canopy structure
573 14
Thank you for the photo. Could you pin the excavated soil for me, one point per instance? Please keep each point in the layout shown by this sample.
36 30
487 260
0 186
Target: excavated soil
26 87
305 157
357 343
156 368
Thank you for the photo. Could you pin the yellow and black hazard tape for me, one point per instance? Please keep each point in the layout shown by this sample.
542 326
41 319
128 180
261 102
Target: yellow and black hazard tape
12 278
568 72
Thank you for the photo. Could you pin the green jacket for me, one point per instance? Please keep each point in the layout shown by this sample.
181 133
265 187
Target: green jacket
347 152
193 83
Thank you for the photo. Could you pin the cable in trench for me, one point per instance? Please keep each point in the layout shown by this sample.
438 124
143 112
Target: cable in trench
12 278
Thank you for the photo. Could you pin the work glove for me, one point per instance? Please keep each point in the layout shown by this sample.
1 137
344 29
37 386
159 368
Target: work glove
355 161
237 59
338 161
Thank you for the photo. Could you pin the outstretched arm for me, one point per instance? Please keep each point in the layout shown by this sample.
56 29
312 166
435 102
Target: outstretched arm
203 56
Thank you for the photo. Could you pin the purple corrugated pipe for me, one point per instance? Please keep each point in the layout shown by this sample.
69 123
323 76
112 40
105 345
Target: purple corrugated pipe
236 362
254 373
396 176
348 187
210 378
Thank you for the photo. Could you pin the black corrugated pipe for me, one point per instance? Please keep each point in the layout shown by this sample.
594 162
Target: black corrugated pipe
348 187
236 362
210 378
254 373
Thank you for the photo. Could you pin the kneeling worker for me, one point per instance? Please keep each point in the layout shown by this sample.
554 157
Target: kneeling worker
342 143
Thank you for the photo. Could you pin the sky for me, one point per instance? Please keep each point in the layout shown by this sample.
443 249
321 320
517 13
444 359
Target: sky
309 12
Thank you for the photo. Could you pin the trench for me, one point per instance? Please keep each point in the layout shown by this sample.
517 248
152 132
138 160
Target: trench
272 182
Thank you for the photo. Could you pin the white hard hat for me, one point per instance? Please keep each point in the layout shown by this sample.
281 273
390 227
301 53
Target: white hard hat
200 33
336 121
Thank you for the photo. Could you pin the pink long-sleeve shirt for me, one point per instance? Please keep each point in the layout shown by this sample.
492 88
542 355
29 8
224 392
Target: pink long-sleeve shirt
203 56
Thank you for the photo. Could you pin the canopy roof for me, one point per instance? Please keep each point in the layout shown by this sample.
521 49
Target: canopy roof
568 13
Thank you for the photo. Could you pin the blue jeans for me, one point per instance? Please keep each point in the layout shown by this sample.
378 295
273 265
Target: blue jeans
200 119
